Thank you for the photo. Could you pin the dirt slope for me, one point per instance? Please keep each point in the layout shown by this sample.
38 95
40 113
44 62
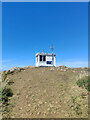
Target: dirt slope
46 92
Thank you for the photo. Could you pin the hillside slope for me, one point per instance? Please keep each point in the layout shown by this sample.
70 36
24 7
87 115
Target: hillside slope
47 93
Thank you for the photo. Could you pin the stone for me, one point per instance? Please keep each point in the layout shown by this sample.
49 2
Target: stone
28 105
48 109
20 108
14 69
26 96
52 69
38 113
54 112
40 102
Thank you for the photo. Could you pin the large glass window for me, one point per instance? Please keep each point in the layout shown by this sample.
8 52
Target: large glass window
40 57
44 58
49 62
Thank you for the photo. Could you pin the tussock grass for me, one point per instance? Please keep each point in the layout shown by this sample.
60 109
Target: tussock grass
84 83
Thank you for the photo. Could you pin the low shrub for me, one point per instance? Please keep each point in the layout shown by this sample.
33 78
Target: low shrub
84 83
10 82
4 76
6 92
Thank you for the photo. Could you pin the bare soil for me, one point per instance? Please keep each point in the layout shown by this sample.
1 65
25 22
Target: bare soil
46 93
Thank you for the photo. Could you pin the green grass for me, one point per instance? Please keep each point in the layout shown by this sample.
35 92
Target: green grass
84 83
6 93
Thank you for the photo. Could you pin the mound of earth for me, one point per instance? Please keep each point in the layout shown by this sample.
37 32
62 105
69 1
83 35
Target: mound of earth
46 92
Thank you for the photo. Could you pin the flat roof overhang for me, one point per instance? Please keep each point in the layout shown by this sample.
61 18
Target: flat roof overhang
44 54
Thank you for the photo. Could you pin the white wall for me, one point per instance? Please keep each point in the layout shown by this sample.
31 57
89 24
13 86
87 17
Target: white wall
44 63
49 58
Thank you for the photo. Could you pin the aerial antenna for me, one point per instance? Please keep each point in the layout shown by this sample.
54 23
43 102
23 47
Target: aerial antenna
35 50
52 48
52 54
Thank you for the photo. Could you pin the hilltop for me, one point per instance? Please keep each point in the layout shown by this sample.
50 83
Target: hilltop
46 92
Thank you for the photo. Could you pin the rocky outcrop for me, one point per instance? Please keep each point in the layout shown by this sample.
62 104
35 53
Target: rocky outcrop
14 69
63 68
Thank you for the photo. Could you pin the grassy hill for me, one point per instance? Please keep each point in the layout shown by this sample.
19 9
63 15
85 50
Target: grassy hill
46 92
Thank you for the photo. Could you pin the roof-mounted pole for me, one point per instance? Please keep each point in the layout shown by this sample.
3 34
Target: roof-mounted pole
52 54
52 48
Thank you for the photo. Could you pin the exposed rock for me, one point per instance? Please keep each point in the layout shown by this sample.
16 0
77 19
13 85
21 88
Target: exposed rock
63 68
26 96
14 69
28 67
40 102
38 113
73 71
52 69
20 108
28 105
48 109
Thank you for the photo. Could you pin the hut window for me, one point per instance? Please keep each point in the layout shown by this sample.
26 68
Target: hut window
44 58
40 57
49 62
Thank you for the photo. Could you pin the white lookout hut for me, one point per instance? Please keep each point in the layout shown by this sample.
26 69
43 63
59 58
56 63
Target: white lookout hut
45 60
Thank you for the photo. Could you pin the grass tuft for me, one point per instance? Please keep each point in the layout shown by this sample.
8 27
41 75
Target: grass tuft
84 83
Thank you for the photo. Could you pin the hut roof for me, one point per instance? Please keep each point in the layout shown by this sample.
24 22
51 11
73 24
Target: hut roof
44 54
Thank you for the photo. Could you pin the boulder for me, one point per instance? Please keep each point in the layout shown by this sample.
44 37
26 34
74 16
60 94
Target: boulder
63 68
52 69
14 69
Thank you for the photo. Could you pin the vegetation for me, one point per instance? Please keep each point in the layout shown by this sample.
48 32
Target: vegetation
4 76
84 83
41 93
10 82
76 106
6 93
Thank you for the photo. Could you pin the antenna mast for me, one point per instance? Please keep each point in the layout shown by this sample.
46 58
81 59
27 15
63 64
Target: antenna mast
52 54
52 48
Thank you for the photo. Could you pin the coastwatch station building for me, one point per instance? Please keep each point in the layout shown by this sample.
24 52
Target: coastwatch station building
45 60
